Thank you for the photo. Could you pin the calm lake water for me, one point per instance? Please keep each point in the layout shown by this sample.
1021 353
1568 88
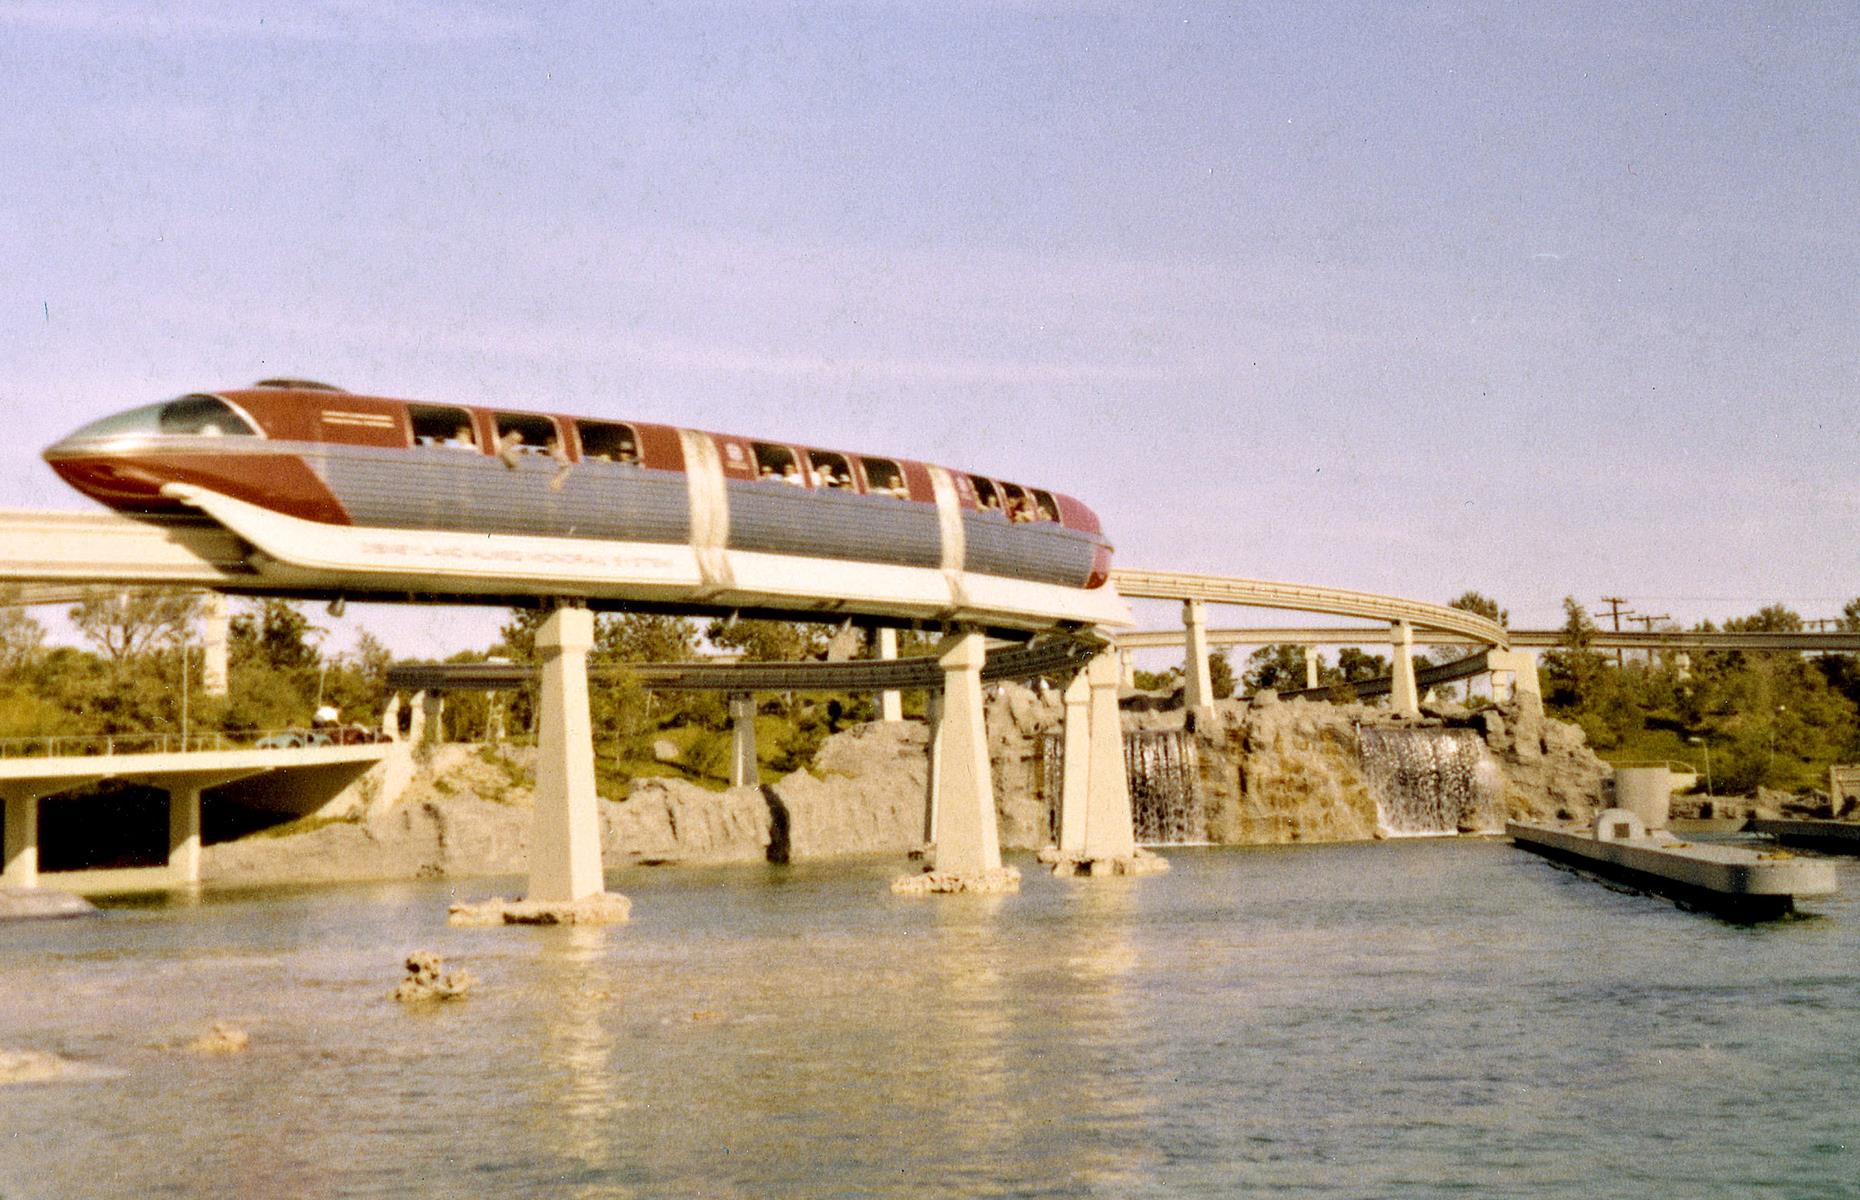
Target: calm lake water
1386 1020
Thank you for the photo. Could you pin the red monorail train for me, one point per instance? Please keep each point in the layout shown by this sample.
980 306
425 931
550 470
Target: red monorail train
363 495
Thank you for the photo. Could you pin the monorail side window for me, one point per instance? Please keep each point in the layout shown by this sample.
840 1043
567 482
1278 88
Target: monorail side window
1014 500
1049 510
778 464
986 498
607 441
526 433
830 470
434 425
204 416
883 478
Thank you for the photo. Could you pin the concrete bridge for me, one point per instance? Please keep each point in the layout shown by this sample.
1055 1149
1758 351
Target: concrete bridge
296 780
1512 667
1405 618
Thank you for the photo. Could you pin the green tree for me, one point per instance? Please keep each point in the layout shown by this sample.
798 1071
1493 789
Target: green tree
1356 665
1221 674
22 638
643 638
1280 666
276 634
1482 605
124 623
771 641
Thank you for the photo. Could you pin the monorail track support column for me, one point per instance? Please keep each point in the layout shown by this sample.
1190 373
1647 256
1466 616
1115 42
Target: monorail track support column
566 887
1513 671
1403 696
1100 838
891 703
968 845
933 722
1197 678
1075 786
745 771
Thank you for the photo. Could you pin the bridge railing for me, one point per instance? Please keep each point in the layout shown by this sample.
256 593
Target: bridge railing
89 745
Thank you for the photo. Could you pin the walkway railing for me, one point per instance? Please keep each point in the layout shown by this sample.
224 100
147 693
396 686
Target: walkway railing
86 745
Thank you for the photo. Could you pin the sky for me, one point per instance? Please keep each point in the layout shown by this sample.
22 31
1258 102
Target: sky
1410 298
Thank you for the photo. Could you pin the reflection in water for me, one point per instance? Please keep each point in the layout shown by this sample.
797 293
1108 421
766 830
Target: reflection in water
1402 1018
581 1088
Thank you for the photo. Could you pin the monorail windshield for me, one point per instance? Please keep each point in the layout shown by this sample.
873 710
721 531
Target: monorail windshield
188 416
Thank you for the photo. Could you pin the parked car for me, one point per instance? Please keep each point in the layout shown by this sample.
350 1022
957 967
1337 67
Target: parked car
289 739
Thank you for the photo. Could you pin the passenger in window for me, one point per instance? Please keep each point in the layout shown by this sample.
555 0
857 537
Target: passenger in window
461 439
792 474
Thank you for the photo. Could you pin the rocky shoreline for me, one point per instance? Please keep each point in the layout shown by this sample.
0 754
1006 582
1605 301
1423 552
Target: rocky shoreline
1267 772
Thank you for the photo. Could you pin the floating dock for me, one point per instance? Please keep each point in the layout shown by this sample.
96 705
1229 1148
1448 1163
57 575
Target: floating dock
1730 880
1837 837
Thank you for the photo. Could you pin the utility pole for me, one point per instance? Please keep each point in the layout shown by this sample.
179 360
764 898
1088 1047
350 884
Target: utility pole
1616 612
1646 625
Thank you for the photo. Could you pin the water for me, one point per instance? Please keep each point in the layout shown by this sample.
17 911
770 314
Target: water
1404 1019
1431 782
1164 778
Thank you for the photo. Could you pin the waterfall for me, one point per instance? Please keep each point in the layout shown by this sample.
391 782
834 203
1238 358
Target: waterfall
1431 782
1164 780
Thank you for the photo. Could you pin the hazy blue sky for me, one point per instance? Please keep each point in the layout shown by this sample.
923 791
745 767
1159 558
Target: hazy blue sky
1411 298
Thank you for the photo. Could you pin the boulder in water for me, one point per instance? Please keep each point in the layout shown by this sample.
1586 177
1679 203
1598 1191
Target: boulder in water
427 980
27 904
31 1066
998 881
221 1039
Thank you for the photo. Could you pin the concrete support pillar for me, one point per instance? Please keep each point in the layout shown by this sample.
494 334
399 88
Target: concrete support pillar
967 841
432 718
565 839
1311 666
1513 671
1403 695
1197 679
218 625
933 718
1109 832
390 719
1126 669
1074 789
416 723
745 771
890 704
22 840
184 832
1682 666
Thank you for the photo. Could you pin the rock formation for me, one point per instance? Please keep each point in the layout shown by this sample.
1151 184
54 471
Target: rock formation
221 1039
1270 771
428 980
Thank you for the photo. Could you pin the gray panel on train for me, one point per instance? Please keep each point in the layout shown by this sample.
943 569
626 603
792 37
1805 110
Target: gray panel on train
1038 550
779 518
438 488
